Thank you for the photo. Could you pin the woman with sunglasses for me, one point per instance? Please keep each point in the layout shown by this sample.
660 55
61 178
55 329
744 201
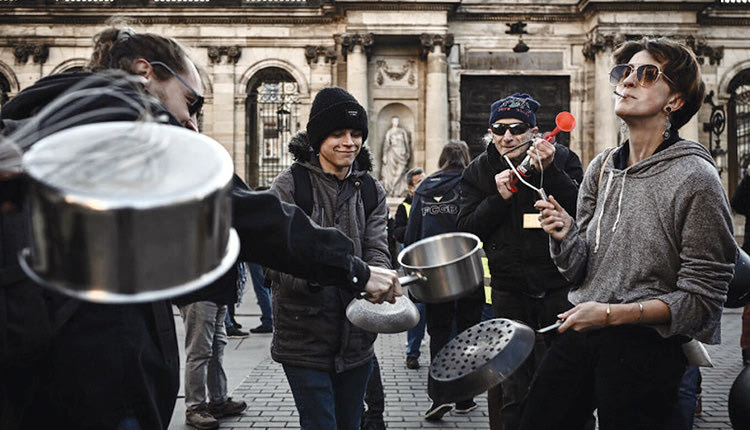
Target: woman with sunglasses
526 285
650 253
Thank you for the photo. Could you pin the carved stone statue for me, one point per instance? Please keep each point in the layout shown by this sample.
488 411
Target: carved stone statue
396 156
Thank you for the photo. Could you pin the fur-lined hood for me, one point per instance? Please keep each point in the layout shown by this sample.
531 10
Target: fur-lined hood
302 152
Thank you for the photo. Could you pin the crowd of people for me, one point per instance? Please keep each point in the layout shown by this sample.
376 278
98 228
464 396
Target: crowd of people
321 234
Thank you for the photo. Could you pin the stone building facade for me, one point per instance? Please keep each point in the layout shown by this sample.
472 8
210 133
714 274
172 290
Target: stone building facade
436 64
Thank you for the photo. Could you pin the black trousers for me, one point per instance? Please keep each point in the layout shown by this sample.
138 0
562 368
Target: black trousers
630 374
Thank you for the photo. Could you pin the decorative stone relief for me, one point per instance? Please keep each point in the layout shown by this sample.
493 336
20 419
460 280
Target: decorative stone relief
430 41
40 53
396 73
312 53
703 51
599 42
233 54
350 40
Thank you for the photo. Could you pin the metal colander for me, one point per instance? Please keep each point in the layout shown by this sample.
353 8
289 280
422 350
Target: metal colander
479 358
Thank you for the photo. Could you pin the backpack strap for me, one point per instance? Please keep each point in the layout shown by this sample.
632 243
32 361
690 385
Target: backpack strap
369 194
302 181
304 199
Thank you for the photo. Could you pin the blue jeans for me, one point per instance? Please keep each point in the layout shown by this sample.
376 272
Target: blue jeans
262 293
328 400
415 334
687 399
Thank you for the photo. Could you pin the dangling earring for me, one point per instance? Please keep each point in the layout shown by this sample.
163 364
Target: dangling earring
667 124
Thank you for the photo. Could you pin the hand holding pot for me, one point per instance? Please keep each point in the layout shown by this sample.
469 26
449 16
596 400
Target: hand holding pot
383 285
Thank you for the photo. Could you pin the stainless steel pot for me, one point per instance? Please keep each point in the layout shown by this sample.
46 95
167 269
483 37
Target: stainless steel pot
384 317
128 212
479 358
442 268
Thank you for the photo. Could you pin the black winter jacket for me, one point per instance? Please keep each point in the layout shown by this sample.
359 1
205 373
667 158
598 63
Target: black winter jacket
435 206
310 329
108 362
741 205
519 258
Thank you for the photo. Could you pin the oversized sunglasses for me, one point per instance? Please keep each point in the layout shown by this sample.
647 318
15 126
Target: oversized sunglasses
515 128
646 74
194 107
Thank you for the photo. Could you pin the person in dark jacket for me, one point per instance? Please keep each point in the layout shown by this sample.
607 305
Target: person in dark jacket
328 360
741 205
525 283
116 366
434 211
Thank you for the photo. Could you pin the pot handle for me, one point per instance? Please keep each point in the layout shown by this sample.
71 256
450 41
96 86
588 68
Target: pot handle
403 280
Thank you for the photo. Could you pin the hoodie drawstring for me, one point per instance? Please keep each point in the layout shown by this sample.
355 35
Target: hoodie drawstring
601 214
619 200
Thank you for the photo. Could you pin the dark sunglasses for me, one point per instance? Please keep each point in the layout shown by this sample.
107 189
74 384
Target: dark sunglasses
194 107
515 129
646 74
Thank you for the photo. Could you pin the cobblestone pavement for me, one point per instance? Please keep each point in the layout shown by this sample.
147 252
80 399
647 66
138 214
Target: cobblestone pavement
271 406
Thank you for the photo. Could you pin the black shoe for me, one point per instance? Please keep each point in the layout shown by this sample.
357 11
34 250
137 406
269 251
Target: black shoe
235 333
412 362
465 407
374 424
436 412
261 329
236 324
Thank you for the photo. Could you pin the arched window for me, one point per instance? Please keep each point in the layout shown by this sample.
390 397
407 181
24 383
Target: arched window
272 119
738 127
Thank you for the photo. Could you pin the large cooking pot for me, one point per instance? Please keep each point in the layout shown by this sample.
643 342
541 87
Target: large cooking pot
383 317
442 268
127 212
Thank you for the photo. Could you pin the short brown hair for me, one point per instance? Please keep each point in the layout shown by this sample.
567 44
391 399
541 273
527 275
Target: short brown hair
117 48
679 65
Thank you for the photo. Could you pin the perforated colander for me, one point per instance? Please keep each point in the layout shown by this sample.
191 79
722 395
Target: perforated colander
479 358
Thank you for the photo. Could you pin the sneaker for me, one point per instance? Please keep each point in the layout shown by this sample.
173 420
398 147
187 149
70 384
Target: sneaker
236 324
436 412
412 362
227 409
235 333
465 407
201 419
261 329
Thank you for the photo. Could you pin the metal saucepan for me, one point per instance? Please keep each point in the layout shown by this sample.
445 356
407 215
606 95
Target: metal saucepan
128 212
739 288
442 268
479 358
384 317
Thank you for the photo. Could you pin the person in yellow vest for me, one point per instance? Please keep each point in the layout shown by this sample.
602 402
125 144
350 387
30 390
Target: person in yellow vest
415 335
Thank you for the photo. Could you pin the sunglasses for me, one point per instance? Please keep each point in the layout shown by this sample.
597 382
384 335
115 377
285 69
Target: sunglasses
194 107
515 128
646 74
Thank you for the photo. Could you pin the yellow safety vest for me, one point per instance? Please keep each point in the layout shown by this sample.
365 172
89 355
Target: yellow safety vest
487 276
407 206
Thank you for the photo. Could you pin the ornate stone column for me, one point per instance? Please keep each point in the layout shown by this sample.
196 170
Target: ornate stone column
436 47
321 60
356 48
223 113
606 124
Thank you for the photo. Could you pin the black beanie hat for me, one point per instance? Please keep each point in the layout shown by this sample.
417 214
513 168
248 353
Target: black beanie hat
518 106
334 109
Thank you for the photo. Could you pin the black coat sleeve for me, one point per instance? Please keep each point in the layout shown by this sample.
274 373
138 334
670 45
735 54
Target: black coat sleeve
482 208
280 236
741 197
399 223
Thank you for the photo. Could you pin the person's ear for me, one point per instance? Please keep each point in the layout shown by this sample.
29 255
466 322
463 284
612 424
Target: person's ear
142 68
674 103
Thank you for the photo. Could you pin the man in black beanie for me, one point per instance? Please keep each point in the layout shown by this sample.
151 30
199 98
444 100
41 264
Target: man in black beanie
326 359
526 285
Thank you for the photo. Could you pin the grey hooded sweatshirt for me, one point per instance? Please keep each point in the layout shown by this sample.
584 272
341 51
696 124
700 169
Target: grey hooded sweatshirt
660 229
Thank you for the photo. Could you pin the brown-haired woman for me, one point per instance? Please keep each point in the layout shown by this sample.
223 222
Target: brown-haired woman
650 254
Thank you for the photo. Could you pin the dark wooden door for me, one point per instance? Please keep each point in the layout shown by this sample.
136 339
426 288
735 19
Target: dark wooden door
478 93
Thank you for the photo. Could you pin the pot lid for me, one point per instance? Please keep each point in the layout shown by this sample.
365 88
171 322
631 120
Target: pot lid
129 165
